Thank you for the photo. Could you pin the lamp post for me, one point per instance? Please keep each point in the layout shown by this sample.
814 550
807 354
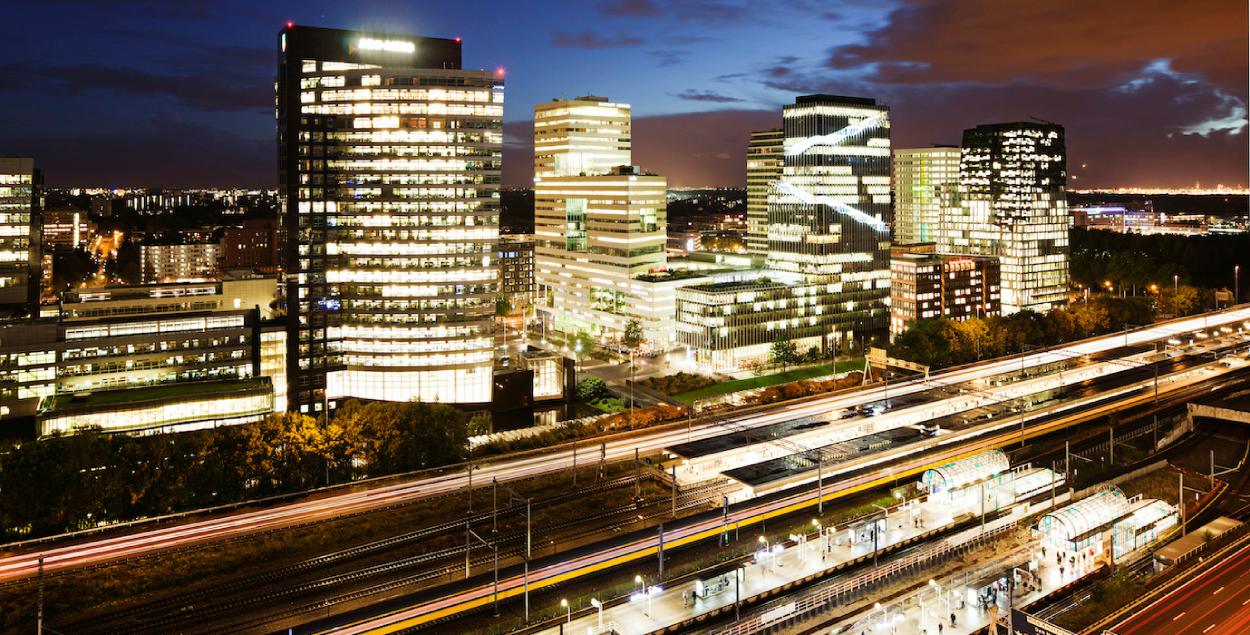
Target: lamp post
1236 284
568 611
598 605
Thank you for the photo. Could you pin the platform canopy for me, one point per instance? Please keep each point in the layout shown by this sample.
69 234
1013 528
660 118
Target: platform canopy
966 471
1075 522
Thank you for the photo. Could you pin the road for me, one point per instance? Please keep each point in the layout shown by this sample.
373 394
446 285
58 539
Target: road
146 539
1216 602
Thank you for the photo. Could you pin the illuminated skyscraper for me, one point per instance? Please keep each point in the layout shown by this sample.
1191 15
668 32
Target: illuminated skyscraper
20 259
599 228
826 281
389 165
829 215
763 171
584 135
926 181
1013 205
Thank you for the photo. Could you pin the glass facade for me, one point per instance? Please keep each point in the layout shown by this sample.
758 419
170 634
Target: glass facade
581 136
926 181
1012 204
829 215
389 168
764 161
600 224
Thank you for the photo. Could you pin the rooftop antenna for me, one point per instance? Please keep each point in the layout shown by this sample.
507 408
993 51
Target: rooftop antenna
1040 120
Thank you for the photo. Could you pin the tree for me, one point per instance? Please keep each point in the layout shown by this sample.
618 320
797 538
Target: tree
503 308
632 339
783 352
583 346
481 423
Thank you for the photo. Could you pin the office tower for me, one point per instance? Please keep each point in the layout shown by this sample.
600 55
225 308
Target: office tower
599 236
598 239
826 278
829 215
389 165
764 160
584 135
926 181
20 259
1013 205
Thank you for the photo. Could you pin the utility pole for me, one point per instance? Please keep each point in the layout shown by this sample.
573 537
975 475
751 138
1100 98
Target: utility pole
660 552
820 482
674 468
574 464
1180 498
1111 433
39 617
603 459
494 505
1067 455
724 520
637 476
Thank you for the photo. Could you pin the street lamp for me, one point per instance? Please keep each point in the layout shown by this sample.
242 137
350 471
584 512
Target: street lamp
638 581
568 611
598 605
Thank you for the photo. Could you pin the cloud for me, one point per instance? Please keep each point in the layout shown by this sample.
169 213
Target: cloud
203 89
705 95
1057 43
629 8
591 40
668 57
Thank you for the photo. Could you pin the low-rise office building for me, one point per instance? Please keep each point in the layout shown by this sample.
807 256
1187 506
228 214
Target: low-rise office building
66 228
731 325
180 263
159 357
926 286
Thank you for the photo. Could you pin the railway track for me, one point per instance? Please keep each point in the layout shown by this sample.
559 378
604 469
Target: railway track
247 593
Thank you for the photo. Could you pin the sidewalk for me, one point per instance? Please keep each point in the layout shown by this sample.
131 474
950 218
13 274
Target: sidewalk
772 567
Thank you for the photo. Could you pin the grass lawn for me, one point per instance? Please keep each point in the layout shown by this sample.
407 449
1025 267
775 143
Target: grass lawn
724 388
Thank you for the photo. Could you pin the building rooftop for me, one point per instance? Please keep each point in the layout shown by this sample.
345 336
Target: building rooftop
161 392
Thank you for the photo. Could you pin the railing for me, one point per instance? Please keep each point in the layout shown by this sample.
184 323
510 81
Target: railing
817 598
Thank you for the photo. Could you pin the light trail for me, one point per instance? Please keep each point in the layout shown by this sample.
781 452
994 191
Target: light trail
145 541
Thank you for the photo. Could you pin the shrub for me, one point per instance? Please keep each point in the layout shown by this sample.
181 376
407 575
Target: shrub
591 389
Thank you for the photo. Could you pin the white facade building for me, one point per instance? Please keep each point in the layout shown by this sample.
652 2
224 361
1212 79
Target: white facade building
926 181
600 226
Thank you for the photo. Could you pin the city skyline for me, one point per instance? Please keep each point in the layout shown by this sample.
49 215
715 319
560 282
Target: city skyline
183 91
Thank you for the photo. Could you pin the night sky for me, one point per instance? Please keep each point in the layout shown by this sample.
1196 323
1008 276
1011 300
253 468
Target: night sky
179 92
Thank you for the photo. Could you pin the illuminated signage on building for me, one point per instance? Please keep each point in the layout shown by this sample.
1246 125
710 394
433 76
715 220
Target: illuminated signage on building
390 46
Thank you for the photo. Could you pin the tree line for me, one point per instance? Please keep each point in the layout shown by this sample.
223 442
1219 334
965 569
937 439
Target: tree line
66 483
1135 261
943 342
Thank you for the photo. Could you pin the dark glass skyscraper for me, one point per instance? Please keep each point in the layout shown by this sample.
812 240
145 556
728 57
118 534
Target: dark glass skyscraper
1013 205
19 234
389 167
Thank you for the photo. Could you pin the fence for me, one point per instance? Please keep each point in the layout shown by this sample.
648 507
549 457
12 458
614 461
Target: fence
829 595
